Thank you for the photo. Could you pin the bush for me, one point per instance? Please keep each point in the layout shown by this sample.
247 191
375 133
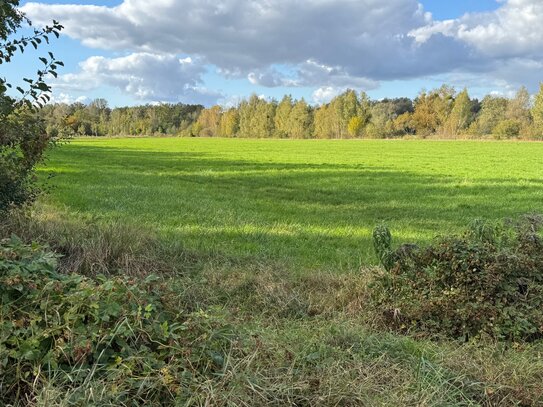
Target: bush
23 138
507 129
487 281
113 334
22 144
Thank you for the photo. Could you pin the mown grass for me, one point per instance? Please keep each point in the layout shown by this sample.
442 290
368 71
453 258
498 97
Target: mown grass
308 204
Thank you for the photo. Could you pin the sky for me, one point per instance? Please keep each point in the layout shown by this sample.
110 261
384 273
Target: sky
220 51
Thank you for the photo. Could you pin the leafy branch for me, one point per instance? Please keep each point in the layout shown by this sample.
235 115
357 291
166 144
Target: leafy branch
37 94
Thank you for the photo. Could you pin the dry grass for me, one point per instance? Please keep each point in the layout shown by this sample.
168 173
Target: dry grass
305 340
90 247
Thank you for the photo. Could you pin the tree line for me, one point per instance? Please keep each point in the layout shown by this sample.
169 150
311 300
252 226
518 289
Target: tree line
441 112
97 119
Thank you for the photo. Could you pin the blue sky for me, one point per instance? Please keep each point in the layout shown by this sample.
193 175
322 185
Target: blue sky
202 51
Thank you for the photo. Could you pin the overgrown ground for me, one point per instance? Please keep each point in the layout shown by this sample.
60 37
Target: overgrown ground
271 239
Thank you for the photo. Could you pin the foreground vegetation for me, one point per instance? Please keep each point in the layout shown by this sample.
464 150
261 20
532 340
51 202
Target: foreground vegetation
222 334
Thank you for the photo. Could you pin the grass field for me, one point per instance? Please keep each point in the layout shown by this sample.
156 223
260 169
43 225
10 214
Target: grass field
255 240
308 204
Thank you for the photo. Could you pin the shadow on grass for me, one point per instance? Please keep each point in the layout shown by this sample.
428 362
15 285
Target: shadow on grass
313 216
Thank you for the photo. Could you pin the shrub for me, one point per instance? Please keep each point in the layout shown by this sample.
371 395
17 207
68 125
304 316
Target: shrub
113 334
23 138
487 281
507 129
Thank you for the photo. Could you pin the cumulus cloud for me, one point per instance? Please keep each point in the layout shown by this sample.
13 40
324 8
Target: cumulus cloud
311 74
326 44
68 99
514 30
507 43
144 76
325 94
367 38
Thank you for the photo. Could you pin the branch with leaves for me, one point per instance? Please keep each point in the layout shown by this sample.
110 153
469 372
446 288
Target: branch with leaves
37 94
23 139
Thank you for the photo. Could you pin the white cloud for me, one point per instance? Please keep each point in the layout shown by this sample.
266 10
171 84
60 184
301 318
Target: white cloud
311 74
507 43
144 76
67 99
329 44
514 30
326 94
366 38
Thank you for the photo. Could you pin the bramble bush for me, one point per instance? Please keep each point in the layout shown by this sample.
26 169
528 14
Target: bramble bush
485 282
112 334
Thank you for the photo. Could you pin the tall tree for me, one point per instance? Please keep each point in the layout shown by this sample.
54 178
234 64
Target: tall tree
263 119
209 121
460 117
300 122
537 112
492 112
282 117
229 126
424 119
518 107
323 123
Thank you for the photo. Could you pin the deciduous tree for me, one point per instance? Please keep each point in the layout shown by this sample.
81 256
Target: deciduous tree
23 137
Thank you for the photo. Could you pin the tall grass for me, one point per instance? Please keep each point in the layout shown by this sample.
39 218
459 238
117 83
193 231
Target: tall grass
301 340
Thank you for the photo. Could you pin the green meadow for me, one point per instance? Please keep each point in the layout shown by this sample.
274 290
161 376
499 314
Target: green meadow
307 204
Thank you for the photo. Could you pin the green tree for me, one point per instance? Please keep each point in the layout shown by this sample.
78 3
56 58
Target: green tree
256 118
507 128
282 117
263 120
349 108
364 108
229 126
460 117
23 136
323 122
300 122
537 112
492 112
